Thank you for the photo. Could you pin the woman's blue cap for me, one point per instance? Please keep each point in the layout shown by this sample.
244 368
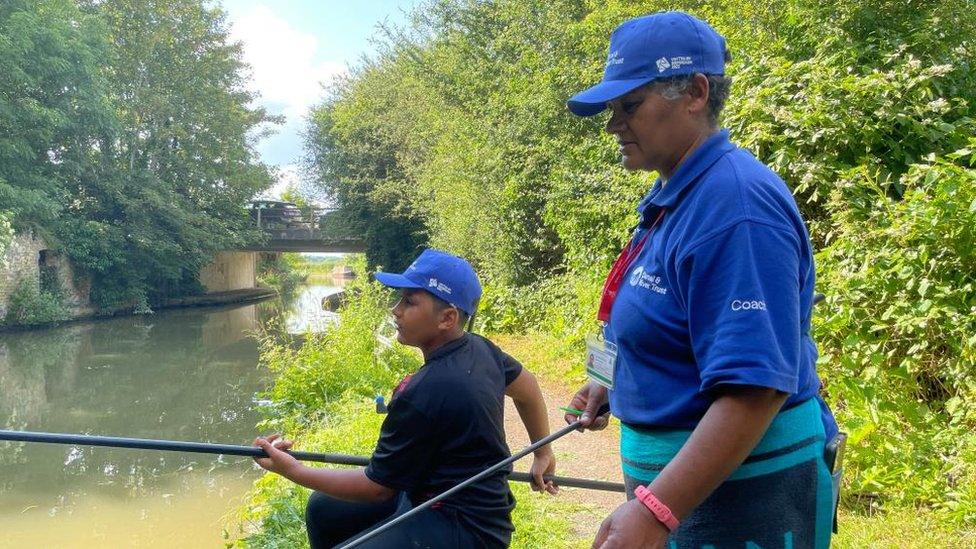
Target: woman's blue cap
446 276
660 45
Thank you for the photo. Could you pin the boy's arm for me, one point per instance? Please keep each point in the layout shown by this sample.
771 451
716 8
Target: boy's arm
344 484
525 393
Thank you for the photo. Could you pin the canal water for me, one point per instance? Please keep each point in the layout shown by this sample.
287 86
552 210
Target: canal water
184 374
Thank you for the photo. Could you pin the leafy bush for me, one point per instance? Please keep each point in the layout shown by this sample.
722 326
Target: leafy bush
282 272
898 333
29 306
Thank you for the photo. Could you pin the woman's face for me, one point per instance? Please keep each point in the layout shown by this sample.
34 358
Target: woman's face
650 130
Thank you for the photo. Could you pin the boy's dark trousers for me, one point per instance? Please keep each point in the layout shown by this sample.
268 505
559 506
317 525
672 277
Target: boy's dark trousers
331 521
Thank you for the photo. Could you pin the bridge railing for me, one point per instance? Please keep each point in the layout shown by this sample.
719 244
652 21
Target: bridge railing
281 215
287 226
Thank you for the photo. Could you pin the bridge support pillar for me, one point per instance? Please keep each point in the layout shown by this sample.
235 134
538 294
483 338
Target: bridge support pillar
230 271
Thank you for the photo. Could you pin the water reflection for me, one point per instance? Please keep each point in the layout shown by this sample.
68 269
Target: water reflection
307 313
187 374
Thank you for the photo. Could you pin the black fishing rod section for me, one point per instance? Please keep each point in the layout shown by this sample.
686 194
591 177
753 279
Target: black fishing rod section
255 452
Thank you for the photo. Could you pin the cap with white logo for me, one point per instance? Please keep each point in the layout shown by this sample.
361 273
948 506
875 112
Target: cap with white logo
446 276
647 48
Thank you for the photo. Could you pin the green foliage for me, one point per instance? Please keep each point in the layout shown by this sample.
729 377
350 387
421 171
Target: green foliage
127 138
882 119
53 104
366 184
291 194
897 337
283 272
29 306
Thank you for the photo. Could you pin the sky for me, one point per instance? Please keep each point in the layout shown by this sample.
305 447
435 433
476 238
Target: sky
295 48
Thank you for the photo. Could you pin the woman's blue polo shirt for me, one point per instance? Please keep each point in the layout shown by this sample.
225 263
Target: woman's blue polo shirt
720 294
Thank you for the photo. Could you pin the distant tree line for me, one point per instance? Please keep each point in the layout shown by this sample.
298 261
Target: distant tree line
127 138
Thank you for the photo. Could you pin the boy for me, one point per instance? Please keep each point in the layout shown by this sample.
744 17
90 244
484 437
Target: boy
444 425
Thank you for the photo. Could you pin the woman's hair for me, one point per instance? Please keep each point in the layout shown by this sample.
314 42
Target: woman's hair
718 91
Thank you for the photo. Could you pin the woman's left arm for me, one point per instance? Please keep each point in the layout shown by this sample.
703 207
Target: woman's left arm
730 429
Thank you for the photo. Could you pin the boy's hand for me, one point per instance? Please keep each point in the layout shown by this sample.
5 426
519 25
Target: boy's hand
278 461
590 398
543 464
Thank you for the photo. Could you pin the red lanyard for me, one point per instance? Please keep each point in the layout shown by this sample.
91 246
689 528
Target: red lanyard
616 276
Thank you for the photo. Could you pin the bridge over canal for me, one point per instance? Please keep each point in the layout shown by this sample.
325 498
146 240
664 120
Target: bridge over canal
286 228
289 228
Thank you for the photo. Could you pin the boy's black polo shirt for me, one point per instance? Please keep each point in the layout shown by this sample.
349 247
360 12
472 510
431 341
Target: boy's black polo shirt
445 424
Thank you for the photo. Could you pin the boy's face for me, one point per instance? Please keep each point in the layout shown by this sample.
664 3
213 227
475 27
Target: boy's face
417 319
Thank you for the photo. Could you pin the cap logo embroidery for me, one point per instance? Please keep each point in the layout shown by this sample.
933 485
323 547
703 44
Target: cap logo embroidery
680 61
434 283
662 64
614 59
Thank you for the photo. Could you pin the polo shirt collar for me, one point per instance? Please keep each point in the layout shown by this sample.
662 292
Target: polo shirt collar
667 196
449 347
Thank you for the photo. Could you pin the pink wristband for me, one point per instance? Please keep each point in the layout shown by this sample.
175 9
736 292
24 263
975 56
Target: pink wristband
654 505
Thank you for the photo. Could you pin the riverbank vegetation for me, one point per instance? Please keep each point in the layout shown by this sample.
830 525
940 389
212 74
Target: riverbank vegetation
32 305
865 108
128 138
283 272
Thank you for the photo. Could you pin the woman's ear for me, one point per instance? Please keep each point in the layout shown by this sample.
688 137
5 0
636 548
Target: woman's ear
699 92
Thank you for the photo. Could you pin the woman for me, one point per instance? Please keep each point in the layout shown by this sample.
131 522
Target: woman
706 314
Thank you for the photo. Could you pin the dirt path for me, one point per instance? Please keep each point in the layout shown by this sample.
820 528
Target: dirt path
592 455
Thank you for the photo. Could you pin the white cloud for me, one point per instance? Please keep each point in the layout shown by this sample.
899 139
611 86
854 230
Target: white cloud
288 176
282 61
289 80
291 176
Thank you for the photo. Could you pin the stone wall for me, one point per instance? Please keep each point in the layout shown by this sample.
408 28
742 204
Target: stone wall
20 264
29 259
230 271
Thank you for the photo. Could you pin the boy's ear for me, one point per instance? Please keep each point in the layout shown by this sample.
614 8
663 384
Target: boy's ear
449 318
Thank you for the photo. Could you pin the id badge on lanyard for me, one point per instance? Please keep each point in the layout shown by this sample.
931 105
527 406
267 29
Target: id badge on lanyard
601 355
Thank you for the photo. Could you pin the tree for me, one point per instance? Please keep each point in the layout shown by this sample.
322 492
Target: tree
182 164
53 107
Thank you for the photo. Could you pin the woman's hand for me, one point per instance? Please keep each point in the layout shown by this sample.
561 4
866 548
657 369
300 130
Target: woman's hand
590 398
278 461
543 464
631 525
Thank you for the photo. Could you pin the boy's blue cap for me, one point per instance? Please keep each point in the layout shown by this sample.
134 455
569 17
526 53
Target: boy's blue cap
647 48
447 276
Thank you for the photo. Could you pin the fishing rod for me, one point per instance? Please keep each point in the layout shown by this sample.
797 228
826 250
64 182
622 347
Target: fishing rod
255 452
574 426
